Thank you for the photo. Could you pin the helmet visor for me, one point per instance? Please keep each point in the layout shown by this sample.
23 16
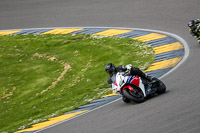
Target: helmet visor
192 27
107 71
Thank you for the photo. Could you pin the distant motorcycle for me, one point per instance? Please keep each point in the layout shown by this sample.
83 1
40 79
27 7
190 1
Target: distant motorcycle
194 28
134 88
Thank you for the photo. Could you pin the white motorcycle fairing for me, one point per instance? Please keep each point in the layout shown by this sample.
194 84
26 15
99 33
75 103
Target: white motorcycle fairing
122 80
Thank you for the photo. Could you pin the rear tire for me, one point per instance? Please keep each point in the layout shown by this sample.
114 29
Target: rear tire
161 88
139 97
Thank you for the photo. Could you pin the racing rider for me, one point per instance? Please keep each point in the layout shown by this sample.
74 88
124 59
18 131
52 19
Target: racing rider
112 70
194 28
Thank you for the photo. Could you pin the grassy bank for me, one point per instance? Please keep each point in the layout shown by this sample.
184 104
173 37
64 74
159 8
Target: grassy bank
46 75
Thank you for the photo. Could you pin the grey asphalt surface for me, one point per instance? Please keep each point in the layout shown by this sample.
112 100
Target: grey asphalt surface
177 111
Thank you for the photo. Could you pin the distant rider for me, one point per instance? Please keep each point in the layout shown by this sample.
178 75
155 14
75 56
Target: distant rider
194 27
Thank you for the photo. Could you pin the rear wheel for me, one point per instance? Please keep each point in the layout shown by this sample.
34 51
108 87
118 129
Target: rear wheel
161 87
136 96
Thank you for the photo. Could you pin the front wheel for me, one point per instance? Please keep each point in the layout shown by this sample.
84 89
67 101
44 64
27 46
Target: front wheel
136 97
126 100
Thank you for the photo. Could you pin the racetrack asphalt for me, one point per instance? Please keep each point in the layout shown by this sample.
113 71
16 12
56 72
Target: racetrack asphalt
175 111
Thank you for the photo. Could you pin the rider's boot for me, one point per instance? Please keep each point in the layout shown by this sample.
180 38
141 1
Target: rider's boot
148 90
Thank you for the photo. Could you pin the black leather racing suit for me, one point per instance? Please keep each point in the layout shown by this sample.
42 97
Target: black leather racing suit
133 71
196 32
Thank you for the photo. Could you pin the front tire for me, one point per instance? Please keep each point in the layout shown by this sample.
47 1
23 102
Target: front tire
137 97
126 100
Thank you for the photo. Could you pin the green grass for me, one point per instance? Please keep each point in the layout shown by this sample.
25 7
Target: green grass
46 75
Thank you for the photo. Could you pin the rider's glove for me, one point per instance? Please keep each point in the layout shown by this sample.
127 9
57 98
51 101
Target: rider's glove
128 67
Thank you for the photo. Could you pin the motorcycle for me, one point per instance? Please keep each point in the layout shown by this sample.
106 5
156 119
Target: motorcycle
136 89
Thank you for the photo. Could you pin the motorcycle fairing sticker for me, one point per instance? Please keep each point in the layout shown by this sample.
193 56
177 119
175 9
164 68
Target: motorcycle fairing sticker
134 80
115 83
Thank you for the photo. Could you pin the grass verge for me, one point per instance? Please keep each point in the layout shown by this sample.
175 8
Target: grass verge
43 76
